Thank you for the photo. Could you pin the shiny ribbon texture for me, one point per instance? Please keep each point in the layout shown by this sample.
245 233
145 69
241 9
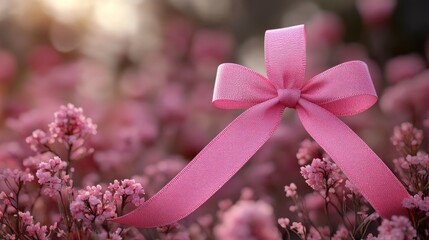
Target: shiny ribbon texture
343 90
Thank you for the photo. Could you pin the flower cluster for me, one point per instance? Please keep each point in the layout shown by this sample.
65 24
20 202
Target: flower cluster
127 191
338 196
398 228
417 202
19 177
406 138
93 206
322 175
52 176
80 213
70 125
38 140
36 230
147 84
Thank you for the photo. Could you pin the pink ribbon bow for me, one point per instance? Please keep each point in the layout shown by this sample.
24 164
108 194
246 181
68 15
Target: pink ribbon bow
343 90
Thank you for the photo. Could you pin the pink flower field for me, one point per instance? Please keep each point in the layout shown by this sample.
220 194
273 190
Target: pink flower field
102 103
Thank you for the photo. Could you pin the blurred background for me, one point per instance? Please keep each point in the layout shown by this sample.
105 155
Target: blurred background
144 71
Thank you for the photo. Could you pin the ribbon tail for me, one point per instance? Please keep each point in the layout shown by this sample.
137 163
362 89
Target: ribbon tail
210 169
359 163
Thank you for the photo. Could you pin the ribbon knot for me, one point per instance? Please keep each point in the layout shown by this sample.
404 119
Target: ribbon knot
343 90
288 97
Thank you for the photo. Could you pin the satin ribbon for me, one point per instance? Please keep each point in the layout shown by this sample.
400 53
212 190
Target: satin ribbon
343 90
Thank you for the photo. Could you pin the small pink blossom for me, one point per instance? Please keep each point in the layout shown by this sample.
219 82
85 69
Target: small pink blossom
406 138
293 208
307 151
290 190
25 217
371 237
351 187
36 231
93 206
283 222
418 201
34 161
299 229
321 175
54 228
38 140
399 227
116 235
127 191
52 176
420 158
70 125
341 234
17 175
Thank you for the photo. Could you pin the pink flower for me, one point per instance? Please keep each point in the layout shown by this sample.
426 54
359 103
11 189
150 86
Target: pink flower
71 125
38 140
341 234
417 202
399 228
290 190
34 161
52 176
406 138
35 231
92 206
116 235
299 229
308 150
127 191
25 217
248 220
321 175
283 222
17 175
54 228
351 187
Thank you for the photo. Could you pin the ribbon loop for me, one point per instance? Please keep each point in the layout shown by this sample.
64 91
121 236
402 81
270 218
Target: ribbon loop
239 87
285 56
344 90
288 97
